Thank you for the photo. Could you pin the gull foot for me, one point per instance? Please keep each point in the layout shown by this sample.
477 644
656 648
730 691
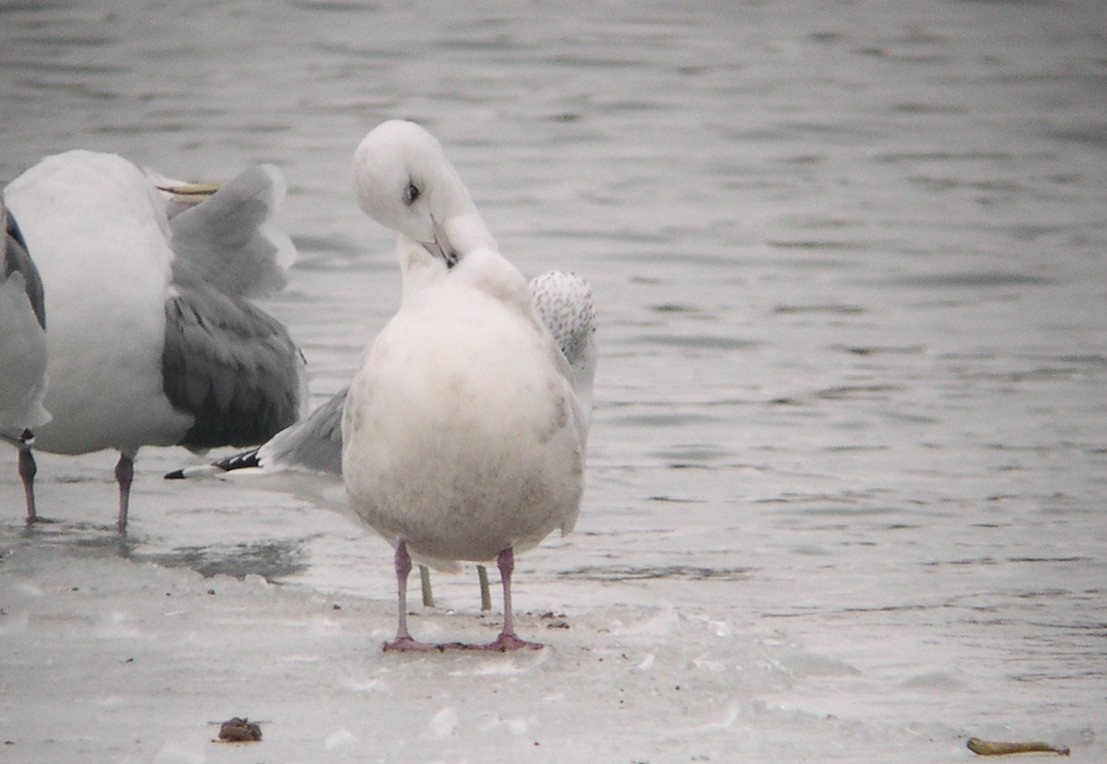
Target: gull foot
506 643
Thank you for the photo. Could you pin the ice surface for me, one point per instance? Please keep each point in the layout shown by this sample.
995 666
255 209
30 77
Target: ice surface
140 660
847 464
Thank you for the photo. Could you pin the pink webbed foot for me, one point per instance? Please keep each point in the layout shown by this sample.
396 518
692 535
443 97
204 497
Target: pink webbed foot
506 643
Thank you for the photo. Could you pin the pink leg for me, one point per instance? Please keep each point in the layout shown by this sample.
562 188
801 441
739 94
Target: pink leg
27 471
403 569
508 640
404 642
124 475
505 642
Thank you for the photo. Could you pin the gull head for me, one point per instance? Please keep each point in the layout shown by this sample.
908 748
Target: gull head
403 180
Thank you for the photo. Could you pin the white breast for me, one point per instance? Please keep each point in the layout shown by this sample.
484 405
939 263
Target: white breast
462 435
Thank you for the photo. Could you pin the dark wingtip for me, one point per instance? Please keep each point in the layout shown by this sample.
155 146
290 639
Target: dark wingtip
239 461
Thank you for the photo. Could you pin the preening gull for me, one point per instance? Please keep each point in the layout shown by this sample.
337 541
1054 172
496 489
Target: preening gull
154 337
463 436
306 458
22 349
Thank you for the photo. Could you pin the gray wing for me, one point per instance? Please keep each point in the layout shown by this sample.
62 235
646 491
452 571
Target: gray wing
314 443
232 366
228 240
228 362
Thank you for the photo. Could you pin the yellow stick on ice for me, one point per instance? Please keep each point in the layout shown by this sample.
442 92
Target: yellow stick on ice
992 748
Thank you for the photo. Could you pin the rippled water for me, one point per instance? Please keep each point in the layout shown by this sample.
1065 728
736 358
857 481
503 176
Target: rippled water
851 265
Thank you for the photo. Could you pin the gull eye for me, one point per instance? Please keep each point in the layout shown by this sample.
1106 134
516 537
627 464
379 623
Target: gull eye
411 193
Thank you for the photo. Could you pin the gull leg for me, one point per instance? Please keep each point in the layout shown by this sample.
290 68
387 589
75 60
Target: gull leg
404 641
485 592
425 582
27 471
403 569
124 475
508 640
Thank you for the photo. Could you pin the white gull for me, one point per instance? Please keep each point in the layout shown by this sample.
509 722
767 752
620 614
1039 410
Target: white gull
305 459
154 337
22 348
463 436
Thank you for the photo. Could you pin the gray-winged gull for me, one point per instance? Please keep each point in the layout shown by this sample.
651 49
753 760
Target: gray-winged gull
154 336
22 349
463 435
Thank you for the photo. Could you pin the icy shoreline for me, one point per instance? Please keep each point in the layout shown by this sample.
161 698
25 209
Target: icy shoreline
107 659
